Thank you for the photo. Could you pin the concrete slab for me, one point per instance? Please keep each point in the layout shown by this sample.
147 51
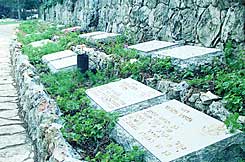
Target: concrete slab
153 46
57 56
124 96
40 43
173 131
88 35
63 64
187 52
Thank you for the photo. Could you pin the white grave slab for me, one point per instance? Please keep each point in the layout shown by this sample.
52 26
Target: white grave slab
172 130
40 43
120 94
186 52
72 29
104 36
57 56
152 46
63 64
88 35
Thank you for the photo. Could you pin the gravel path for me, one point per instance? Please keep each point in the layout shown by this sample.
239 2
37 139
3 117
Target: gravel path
14 143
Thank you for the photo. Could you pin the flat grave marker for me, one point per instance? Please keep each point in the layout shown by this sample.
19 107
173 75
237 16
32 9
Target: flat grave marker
186 52
63 64
120 95
153 46
40 43
57 56
88 35
172 130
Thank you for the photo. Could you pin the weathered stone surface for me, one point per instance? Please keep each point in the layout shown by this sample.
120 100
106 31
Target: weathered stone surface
9 114
11 129
40 43
124 96
208 29
233 27
66 63
17 154
57 56
191 21
164 132
40 113
89 35
187 52
152 46
208 97
14 144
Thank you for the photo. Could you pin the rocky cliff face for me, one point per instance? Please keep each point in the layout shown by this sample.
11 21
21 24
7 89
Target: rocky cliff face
207 22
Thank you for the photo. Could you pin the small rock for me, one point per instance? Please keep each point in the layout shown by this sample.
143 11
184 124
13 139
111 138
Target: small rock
218 110
241 119
194 97
208 97
200 106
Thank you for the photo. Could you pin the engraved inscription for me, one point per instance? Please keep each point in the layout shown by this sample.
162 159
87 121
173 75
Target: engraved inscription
172 129
120 94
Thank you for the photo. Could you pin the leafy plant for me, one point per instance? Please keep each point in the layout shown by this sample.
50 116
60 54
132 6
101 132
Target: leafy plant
115 153
232 123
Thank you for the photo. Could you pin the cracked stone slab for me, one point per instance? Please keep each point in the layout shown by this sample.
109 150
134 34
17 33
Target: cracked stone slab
19 153
4 122
12 140
12 129
8 99
8 106
10 93
10 114
6 87
153 46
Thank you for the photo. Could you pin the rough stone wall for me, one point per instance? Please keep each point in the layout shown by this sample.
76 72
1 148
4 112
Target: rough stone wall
39 112
207 22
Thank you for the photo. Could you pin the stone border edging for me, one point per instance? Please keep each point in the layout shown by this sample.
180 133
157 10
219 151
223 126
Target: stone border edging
39 112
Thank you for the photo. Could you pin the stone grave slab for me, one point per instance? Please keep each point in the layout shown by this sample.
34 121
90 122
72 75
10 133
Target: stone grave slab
63 64
187 52
124 96
72 29
173 131
153 46
40 43
104 36
184 56
57 56
88 35
99 36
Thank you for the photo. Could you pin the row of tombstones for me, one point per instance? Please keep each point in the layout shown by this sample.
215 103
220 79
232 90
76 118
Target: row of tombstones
167 130
183 55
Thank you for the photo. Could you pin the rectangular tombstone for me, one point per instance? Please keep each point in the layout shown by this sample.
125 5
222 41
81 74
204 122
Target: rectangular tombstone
63 64
173 131
153 46
57 56
104 36
124 96
72 29
40 43
88 35
187 52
